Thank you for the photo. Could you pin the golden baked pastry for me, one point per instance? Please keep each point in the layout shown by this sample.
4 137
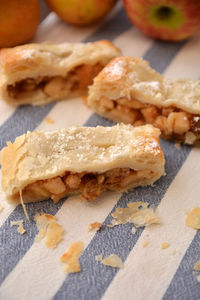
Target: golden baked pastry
128 90
87 160
41 73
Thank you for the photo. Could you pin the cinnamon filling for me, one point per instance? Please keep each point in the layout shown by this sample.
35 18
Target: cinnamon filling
91 185
57 87
173 122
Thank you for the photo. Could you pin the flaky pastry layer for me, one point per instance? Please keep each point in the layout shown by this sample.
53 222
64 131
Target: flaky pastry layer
41 73
130 91
81 159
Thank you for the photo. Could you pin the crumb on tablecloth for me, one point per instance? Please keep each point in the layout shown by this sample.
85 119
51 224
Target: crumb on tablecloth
49 228
71 258
177 146
145 244
190 138
165 245
95 226
197 266
198 278
193 218
197 269
137 213
133 230
112 260
49 120
18 223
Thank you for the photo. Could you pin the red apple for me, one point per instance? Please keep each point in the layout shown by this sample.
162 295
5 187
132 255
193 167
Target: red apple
81 12
172 20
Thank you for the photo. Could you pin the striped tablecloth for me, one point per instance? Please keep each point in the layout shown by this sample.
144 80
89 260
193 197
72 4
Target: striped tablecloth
31 271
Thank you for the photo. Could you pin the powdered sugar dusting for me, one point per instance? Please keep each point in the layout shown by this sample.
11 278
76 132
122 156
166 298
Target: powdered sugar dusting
148 87
116 69
27 53
86 148
139 81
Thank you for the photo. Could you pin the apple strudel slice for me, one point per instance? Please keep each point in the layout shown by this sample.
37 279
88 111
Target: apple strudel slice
128 90
40 73
86 160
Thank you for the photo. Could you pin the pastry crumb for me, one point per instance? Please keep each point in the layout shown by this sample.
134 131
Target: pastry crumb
49 228
164 245
177 146
193 218
49 120
137 213
18 223
197 266
190 138
145 244
198 278
99 257
95 226
71 258
1 208
112 260
53 235
133 230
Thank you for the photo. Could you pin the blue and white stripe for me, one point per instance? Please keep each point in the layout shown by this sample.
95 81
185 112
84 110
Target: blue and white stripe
31 271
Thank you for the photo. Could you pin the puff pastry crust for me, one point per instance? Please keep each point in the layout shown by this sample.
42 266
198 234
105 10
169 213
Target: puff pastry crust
130 91
41 73
43 165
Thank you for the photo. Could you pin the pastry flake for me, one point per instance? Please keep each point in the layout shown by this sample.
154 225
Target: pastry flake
95 226
128 90
86 160
71 258
113 260
41 73
49 120
18 223
193 218
137 213
145 244
165 245
48 228
197 266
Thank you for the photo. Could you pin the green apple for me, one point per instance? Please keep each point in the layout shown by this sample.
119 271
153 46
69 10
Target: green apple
81 12
172 20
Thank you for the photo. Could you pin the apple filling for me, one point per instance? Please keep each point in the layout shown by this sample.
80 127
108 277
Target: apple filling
90 185
57 87
173 122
